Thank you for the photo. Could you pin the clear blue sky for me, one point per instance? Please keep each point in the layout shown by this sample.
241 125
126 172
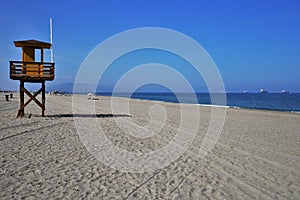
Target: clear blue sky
255 43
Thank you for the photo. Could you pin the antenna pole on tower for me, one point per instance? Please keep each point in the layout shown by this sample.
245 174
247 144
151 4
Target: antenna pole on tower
51 50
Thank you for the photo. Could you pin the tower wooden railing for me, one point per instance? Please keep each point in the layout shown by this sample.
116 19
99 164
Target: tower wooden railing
31 71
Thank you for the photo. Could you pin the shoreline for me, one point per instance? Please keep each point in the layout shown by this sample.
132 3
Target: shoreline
199 104
211 105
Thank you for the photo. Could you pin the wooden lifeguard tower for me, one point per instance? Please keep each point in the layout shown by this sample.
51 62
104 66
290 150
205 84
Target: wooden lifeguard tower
28 70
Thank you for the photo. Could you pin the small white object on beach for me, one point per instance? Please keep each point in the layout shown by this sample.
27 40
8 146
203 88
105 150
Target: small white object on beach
91 96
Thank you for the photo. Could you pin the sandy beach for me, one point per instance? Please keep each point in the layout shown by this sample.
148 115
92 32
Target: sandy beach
256 157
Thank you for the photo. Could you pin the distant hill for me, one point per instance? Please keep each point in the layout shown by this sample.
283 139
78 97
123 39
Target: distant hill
67 87
81 88
87 88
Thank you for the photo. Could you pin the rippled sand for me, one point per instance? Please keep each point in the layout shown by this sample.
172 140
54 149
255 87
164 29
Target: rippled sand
256 157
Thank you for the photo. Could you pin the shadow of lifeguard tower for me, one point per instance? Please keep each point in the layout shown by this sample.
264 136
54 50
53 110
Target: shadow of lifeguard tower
28 70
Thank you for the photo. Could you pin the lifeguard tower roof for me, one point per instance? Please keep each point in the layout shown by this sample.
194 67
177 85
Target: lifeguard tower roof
33 43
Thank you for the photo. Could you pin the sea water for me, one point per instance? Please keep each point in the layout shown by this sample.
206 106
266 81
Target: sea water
265 101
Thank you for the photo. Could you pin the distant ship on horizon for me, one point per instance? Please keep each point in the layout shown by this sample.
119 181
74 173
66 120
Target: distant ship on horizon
285 92
263 91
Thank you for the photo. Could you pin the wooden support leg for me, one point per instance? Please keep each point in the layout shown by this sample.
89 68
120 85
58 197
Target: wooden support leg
43 98
31 97
21 110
